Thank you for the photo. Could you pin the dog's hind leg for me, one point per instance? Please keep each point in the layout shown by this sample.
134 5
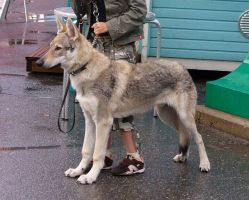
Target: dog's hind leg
169 116
87 149
184 139
103 127
187 119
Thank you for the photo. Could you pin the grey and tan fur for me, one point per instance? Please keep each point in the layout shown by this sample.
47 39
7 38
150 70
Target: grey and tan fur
112 89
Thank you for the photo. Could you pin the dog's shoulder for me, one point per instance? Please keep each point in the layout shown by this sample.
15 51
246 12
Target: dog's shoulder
121 66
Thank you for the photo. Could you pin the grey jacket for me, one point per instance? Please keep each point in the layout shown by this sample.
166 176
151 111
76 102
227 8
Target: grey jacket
124 19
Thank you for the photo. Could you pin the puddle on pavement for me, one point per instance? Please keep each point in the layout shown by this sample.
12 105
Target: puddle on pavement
27 148
32 88
3 149
74 145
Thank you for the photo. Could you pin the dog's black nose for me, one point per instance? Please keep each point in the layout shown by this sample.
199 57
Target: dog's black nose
40 62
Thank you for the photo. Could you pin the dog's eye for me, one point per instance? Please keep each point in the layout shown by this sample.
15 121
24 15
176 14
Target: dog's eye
57 48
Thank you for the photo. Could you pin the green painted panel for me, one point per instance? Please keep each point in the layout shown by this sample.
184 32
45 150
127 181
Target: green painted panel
230 93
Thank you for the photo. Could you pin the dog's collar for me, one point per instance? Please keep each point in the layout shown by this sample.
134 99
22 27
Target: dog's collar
77 71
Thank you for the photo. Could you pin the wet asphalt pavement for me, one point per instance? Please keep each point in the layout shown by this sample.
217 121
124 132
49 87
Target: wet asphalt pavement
34 154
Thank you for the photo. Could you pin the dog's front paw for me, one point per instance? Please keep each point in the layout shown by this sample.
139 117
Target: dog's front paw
205 166
73 172
86 179
180 158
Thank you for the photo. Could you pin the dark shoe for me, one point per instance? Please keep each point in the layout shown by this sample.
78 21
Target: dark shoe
108 165
128 166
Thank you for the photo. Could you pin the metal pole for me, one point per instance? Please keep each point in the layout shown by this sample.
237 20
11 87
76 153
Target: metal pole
157 23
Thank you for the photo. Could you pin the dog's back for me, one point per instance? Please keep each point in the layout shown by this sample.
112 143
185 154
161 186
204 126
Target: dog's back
151 78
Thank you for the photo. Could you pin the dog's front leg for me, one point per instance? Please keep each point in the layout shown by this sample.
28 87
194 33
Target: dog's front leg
87 149
103 128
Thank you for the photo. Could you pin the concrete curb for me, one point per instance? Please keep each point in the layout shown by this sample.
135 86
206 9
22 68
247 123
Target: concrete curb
223 121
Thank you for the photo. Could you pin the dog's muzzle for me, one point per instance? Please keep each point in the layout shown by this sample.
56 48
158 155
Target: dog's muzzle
41 63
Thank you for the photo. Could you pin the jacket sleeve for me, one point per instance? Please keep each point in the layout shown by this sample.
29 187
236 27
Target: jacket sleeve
128 21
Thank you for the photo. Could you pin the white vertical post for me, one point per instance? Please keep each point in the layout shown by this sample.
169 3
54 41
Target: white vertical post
145 42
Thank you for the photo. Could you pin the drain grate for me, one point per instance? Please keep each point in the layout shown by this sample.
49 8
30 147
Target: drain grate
244 23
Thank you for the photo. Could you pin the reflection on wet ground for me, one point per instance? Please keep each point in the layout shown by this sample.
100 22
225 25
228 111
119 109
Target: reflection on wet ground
36 17
15 42
33 17
27 33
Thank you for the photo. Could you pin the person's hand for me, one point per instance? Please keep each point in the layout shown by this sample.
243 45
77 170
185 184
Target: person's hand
99 27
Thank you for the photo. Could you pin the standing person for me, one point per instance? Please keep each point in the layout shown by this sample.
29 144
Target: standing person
117 25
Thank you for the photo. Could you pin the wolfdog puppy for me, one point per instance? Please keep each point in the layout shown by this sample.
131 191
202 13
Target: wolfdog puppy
108 89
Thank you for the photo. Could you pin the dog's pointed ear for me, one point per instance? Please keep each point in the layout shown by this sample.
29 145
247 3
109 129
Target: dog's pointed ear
72 30
60 26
